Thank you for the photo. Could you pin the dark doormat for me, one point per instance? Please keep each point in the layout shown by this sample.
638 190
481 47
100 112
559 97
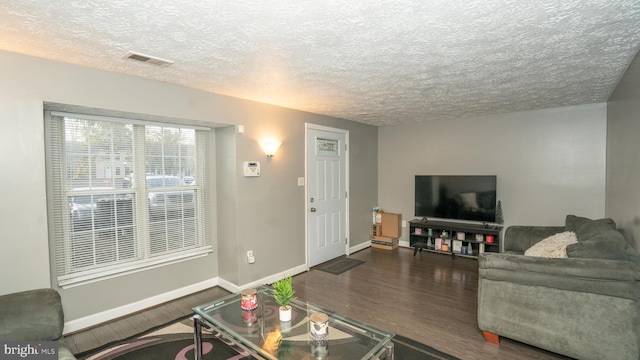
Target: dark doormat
338 266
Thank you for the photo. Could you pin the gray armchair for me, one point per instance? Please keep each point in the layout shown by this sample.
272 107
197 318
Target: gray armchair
33 315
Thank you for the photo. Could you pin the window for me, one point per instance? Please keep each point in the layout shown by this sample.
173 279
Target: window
105 223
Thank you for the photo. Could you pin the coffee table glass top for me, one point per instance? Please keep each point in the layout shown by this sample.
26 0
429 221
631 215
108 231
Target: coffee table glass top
260 330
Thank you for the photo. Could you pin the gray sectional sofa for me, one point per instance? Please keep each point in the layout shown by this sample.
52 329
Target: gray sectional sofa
585 306
34 315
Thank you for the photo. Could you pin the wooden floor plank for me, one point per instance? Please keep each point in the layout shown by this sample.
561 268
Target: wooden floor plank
430 298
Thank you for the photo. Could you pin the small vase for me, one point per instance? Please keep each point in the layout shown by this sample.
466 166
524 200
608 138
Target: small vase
285 313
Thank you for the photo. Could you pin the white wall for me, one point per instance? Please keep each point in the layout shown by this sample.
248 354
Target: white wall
623 154
549 163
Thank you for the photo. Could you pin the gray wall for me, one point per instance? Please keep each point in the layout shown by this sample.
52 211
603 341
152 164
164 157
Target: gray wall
271 208
623 153
549 163
227 178
264 214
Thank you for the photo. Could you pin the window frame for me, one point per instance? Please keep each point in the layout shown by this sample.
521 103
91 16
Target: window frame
58 211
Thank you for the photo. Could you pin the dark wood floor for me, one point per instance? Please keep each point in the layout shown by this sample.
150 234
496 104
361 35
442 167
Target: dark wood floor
430 298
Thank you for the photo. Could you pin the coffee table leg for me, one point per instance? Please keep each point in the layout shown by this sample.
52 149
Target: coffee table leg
390 351
197 337
386 353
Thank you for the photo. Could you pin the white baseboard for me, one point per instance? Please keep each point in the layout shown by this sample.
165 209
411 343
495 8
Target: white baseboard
359 247
366 244
266 280
111 314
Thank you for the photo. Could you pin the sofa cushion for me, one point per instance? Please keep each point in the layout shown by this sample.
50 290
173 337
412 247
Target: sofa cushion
605 245
31 315
586 228
554 246
602 240
596 249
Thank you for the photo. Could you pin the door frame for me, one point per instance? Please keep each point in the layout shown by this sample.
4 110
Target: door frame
307 127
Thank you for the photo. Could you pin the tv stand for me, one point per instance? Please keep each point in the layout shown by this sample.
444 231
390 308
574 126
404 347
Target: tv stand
427 235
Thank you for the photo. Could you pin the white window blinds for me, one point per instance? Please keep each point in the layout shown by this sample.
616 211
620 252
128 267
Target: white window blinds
125 195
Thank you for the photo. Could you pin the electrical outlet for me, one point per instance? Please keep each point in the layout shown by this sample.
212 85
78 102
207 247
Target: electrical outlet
404 223
250 258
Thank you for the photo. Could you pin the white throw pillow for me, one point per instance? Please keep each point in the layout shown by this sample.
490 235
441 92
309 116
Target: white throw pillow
554 246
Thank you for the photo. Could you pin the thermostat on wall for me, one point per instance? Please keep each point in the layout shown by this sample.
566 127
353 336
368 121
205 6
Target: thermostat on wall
251 168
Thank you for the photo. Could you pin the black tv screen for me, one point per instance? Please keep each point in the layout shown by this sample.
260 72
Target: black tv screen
460 197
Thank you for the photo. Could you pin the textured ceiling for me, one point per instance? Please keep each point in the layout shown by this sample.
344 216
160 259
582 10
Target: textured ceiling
379 62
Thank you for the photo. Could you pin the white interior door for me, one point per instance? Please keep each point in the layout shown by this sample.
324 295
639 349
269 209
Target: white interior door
326 194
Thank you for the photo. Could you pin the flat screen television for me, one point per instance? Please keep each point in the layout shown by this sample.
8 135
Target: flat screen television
459 197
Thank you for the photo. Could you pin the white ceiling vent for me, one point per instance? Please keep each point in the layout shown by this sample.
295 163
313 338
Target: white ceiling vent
148 59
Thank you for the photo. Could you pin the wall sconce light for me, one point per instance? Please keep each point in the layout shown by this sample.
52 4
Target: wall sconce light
270 147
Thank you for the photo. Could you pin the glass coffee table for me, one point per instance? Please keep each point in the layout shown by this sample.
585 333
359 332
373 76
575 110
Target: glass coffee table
264 336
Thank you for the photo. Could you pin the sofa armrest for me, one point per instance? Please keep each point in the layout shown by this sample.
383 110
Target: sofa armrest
581 308
31 315
519 238
596 276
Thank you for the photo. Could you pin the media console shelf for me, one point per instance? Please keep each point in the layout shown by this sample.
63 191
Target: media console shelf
478 238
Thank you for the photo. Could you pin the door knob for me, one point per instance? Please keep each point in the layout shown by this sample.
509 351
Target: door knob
313 209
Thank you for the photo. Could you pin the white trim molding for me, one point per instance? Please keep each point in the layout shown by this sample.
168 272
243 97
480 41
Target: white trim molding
359 247
366 244
107 315
266 280
404 243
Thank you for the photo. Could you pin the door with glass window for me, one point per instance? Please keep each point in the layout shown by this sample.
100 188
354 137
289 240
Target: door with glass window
326 194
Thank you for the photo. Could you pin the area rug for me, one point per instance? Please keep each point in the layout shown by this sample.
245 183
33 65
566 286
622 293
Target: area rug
338 266
174 341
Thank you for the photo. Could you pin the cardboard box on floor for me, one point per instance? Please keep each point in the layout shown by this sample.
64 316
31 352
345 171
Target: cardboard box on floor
382 242
388 233
391 225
